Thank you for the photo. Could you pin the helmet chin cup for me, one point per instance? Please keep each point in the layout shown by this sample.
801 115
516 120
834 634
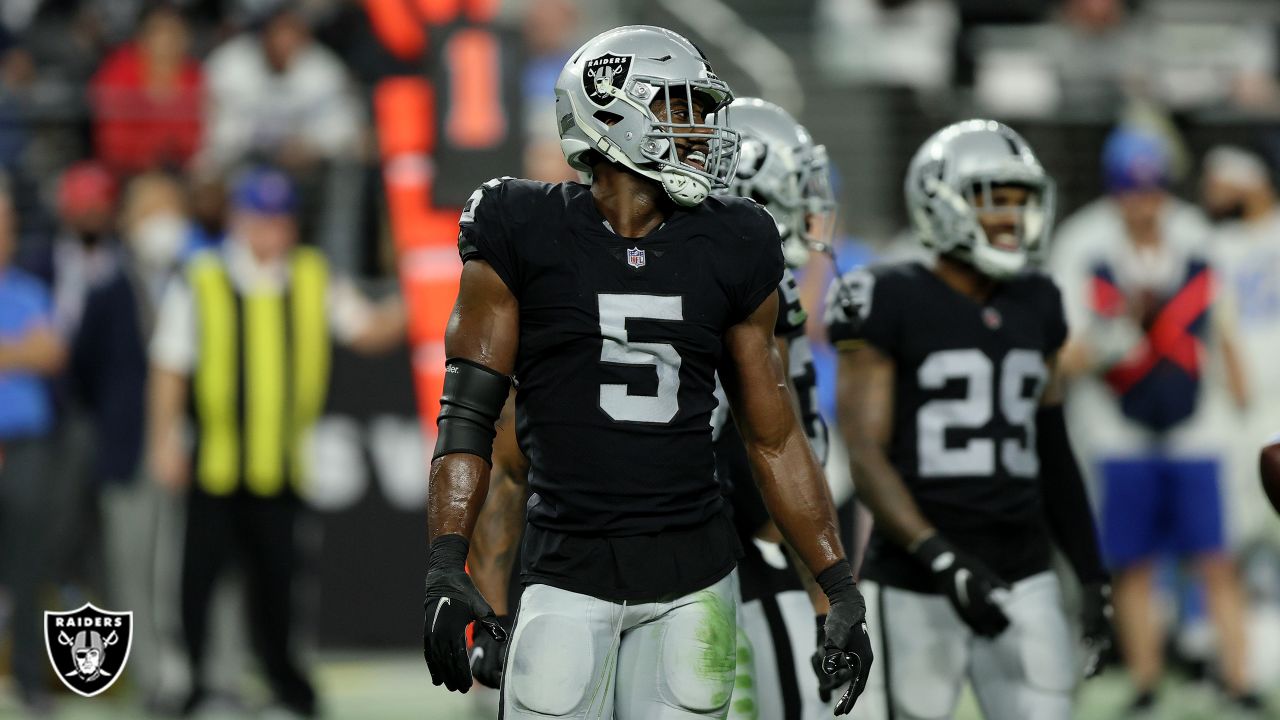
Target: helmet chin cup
996 263
685 189
795 251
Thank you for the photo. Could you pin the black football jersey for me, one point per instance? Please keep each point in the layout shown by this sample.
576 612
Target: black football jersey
968 381
619 342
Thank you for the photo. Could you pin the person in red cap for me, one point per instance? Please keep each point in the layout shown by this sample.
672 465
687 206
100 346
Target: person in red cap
96 314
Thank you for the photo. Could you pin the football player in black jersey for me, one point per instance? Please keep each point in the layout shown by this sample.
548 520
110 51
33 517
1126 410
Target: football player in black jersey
611 307
951 407
776 616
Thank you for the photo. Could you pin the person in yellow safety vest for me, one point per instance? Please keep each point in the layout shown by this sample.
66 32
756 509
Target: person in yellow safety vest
241 349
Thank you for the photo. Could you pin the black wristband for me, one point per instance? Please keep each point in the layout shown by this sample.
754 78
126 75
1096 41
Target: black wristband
837 580
448 553
927 551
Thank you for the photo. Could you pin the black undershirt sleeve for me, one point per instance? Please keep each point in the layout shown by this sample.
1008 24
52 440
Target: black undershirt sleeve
1066 505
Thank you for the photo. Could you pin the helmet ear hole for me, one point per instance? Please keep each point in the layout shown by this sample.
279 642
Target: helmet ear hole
609 119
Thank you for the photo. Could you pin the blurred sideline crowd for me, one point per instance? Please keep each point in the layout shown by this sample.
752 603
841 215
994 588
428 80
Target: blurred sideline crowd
137 136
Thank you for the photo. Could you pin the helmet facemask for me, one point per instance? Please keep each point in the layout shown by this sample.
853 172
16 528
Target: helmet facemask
712 147
1008 237
819 226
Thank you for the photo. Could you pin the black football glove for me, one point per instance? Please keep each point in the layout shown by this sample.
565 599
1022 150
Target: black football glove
1095 622
967 583
846 647
452 604
488 654
827 684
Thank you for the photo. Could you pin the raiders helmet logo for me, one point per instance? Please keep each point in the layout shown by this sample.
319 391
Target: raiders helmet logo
598 74
88 647
849 299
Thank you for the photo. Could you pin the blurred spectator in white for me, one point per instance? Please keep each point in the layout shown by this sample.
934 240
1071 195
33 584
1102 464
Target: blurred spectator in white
1146 322
1098 54
1237 193
30 351
146 97
1087 60
155 229
276 92
551 34
900 43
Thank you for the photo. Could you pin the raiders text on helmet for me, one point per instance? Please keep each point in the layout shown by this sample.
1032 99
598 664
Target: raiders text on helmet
603 99
960 164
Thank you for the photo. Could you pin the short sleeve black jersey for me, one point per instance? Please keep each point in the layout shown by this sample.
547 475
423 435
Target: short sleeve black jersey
619 342
968 381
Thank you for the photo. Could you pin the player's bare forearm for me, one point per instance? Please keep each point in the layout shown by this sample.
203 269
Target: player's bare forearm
496 538
39 351
458 486
483 330
784 465
1237 378
501 523
865 397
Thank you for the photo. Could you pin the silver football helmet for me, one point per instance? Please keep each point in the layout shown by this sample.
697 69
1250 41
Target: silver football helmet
603 99
949 186
770 164
819 198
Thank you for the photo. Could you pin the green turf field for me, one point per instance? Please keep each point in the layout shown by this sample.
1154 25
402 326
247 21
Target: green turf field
390 687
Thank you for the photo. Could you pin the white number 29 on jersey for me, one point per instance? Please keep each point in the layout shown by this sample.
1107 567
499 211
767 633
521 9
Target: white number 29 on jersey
975 410
615 399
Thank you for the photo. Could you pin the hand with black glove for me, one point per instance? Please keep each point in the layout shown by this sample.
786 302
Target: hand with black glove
827 684
488 655
1095 622
846 645
452 604
967 583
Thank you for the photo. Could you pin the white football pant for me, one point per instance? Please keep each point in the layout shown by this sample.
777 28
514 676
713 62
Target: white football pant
577 656
924 653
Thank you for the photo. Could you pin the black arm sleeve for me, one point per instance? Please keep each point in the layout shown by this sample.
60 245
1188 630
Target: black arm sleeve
469 408
1066 505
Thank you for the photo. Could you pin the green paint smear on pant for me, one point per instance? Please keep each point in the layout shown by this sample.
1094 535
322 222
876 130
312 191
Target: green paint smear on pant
718 636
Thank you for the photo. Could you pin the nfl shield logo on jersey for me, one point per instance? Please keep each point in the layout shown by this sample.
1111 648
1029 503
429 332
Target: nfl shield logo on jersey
635 257
88 647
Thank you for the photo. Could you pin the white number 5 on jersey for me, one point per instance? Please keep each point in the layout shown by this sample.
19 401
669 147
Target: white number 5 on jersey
615 399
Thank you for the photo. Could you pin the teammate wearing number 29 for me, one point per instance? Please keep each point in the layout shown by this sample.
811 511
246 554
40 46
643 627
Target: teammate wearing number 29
611 305
951 407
